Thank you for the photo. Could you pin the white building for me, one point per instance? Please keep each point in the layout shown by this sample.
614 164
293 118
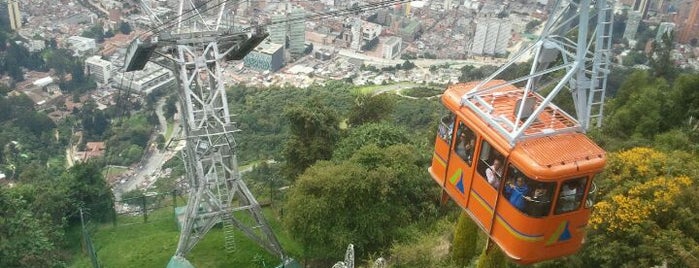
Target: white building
392 48
492 37
99 69
81 45
152 77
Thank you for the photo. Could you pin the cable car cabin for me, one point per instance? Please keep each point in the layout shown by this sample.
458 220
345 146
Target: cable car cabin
531 193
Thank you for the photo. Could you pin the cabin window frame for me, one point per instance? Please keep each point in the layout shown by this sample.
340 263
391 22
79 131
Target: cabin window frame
538 199
571 200
591 193
445 130
464 136
485 164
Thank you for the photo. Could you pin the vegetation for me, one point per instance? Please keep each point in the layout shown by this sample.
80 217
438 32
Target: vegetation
465 243
363 182
329 207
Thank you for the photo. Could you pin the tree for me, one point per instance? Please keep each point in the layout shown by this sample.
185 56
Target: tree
88 189
379 134
465 242
646 215
633 58
27 240
492 258
683 100
370 108
361 201
638 107
125 27
661 61
531 25
314 130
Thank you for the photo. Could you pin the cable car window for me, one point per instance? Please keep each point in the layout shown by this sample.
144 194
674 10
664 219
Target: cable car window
490 164
466 143
591 195
528 196
446 128
570 195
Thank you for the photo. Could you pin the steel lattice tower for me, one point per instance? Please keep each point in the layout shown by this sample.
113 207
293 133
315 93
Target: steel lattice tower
575 42
199 41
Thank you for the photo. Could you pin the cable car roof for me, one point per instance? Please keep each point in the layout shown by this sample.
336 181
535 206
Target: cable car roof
498 104
553 141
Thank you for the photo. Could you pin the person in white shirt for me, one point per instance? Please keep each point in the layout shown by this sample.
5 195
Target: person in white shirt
493 173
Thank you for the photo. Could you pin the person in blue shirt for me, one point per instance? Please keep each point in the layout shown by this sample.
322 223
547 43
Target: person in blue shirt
517 191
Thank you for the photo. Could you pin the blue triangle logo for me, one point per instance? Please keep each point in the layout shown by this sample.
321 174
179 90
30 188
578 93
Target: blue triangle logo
565 235
460 184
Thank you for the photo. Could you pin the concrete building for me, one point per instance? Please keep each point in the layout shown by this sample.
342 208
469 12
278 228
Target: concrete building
392 48
277 30
99 69
370 35
322 54
356 30
663 29
14 15
266 57
81 45
641 6
297 30
152 77
632 23
492 37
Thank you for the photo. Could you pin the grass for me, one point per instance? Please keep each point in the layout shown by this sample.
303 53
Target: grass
113 171
168 131
133 243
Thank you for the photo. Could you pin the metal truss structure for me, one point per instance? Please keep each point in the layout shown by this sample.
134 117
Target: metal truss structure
197 43
573 51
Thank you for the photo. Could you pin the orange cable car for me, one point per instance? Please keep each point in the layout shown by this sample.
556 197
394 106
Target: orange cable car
532 192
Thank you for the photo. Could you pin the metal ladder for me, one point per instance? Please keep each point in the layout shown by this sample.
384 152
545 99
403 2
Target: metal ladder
601 66
228 232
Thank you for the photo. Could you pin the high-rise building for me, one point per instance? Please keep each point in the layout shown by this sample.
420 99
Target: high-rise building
297 30
492 36
278 28
641 6
632 23
690 27
356 29
13 13
99 69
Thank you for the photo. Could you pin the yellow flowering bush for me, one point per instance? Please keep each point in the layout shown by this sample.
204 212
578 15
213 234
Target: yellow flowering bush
638 204
637 163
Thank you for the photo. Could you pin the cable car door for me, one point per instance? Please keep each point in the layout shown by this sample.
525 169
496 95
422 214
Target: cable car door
460 166
442 145
490 168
